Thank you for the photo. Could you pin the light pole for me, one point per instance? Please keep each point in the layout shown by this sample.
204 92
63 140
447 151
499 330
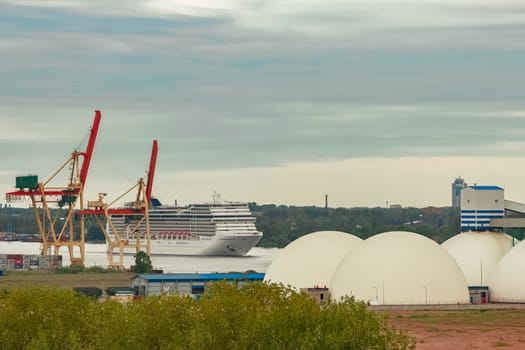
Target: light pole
426 294
376 294
481 272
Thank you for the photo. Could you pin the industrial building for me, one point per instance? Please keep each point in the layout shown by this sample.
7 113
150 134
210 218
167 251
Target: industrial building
507 282
488 257
477 253
457 186
311 259
480 204
388 268
191 284
400 267
478 265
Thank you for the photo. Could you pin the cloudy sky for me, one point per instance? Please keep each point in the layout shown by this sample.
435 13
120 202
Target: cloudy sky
280 102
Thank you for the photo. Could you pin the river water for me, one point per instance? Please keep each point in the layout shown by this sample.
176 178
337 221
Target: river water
257 259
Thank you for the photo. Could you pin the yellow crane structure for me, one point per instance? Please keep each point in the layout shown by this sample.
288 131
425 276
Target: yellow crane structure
138 211
59 230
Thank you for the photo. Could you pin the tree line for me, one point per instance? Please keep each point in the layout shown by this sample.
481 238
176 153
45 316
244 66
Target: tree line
282 224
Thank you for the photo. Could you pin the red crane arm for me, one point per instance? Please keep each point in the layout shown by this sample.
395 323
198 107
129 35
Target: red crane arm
151 172
89 149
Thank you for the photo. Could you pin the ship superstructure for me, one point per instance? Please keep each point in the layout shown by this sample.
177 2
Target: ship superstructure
218 228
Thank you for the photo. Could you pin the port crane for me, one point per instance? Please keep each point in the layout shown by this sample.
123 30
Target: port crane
59 230
137 212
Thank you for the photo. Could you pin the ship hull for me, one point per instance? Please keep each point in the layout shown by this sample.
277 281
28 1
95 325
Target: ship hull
227 245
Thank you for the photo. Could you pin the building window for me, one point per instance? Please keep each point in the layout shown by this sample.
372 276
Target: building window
197 289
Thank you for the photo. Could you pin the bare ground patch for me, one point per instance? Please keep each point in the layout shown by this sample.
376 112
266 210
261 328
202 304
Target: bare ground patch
466 329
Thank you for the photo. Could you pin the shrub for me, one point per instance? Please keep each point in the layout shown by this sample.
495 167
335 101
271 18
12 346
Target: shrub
256 316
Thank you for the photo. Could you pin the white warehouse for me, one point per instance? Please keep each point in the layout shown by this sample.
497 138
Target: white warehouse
390 268
311 259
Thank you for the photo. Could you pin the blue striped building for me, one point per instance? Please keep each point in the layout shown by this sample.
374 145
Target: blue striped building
480 204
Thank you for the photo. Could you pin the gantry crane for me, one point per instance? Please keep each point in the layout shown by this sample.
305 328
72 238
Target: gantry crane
59 229
123 237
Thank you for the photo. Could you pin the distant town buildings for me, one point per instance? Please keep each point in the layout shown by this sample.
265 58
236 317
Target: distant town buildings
458 185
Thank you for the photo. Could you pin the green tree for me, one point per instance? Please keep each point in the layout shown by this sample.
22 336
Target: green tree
255 316
142 262
34 318
271 316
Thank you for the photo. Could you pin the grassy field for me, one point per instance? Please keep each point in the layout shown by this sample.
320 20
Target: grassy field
66 280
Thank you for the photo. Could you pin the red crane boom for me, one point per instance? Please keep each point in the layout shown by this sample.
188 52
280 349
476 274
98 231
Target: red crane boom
60 231
151 171
117 238
89 149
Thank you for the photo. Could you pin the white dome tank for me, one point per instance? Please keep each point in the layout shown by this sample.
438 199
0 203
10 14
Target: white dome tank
507 283
477 253
311 259
400 268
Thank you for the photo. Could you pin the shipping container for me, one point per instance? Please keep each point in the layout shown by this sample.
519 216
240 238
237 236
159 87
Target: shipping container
28 181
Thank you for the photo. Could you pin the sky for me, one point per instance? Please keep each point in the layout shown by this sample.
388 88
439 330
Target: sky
370 102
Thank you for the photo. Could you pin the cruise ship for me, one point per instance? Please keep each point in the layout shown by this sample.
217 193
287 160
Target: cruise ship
217 229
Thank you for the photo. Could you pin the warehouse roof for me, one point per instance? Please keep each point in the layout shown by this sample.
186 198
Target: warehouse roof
486 188
201 277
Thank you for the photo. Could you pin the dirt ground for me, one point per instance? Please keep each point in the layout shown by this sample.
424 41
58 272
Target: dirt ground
466 329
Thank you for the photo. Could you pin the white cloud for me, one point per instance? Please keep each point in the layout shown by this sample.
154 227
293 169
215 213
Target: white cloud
37 124
509 146
227 83
331 17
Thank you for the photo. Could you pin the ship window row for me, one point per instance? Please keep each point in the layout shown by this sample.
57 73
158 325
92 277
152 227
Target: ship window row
202 217
207 217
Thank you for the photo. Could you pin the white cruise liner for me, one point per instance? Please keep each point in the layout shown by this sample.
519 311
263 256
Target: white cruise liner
219 228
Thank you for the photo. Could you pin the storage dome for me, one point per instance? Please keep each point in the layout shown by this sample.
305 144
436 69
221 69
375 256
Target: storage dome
400 268
311 259
477 253
507 283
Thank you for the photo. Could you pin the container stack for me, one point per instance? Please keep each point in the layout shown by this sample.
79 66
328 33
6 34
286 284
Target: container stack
11 262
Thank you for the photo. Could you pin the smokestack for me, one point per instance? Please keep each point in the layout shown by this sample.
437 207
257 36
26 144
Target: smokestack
326 201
